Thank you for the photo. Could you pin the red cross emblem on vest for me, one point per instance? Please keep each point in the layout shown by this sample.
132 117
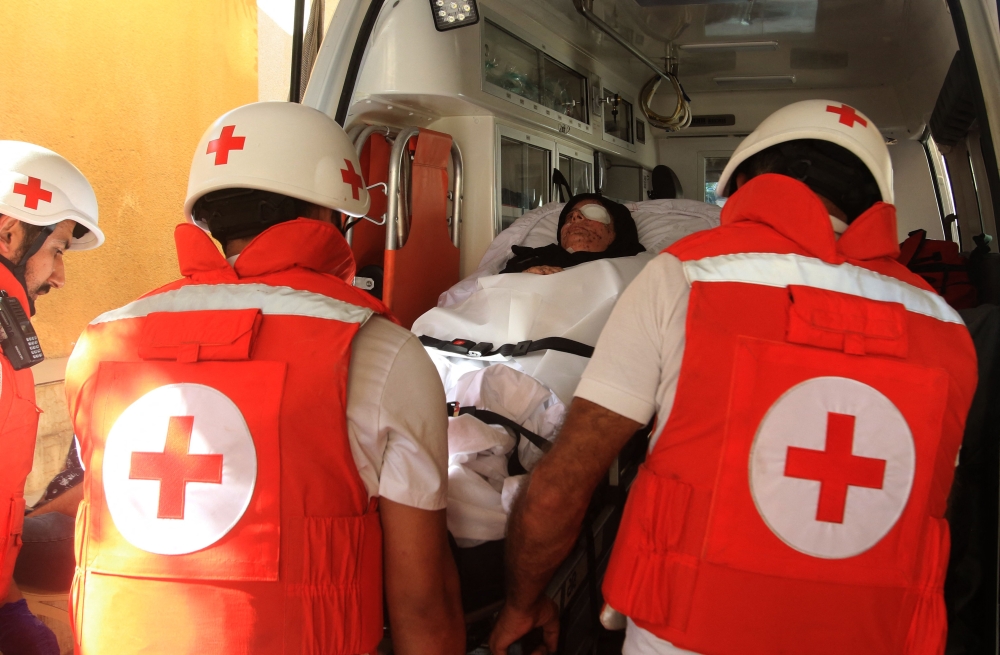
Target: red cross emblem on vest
175 467
848 116
836 468
179 468
350 176
32 192
225 143
832 467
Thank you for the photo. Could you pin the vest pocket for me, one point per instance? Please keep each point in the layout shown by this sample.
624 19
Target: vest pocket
334 590
645 558
827 466
185 471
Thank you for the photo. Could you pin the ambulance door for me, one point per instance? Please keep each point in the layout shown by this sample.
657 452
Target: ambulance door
340 58
972 147
965 129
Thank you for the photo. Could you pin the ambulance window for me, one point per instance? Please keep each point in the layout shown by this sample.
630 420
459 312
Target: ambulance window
617 117
713 167
577 173
942 188
564 90
510 63
524 178
513 66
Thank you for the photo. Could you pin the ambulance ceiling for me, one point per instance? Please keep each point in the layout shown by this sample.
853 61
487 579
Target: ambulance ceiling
828 44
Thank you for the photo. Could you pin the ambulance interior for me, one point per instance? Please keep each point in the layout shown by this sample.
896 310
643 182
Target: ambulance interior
540 95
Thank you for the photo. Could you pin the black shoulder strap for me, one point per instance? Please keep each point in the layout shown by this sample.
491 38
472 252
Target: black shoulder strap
472 348
486 416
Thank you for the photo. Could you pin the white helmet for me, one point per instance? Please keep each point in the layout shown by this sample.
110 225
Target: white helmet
40 187
282 147
824 120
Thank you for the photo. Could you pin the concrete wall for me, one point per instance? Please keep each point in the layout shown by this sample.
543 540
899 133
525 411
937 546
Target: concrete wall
124 90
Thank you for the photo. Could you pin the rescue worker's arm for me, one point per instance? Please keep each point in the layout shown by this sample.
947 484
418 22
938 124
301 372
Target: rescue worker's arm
546 517
66 504
421 582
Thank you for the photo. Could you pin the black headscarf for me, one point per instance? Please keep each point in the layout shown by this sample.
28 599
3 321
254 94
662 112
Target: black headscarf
626 241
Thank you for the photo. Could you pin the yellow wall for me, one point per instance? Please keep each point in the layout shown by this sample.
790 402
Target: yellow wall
123 89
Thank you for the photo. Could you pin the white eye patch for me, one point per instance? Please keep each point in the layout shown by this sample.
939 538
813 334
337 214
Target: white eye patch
596 213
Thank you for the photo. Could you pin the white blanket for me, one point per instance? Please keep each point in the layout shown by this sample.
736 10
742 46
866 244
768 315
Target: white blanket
516 307
533 390
660 223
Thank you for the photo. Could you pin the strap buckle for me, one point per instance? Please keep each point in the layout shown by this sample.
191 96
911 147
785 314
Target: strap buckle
481 349
521 349
459 346
454 409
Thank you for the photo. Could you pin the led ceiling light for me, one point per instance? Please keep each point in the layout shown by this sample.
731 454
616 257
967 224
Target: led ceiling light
450 14
735 45
756 80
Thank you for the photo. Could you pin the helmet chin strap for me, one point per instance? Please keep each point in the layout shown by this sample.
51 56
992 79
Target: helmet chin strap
19 270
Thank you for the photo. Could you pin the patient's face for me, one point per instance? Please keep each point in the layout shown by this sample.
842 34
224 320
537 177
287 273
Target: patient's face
580 234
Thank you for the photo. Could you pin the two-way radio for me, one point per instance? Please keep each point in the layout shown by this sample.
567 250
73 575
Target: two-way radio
17 336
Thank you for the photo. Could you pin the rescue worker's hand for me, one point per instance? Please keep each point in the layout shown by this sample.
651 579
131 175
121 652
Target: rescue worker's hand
512 624
543 270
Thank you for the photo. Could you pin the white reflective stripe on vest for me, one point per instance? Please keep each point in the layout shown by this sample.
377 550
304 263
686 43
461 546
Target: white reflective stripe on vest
775 270
268 299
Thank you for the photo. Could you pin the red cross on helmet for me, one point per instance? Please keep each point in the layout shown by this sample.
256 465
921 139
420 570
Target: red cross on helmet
40 187
825 120
282 147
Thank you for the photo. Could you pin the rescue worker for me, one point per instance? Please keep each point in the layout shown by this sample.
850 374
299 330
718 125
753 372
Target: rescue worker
260 441
810 395
47 207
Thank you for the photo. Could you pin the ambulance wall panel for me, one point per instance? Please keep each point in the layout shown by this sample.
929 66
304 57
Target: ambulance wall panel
916 201
685 155
750 107
413 74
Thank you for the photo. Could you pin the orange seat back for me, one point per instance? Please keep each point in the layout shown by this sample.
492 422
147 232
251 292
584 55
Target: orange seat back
428 263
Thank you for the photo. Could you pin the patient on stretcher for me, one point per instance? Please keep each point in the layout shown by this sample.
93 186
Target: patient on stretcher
526 341
590 227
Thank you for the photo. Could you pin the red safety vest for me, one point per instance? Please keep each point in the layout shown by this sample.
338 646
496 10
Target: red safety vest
18 426
223 511
794 501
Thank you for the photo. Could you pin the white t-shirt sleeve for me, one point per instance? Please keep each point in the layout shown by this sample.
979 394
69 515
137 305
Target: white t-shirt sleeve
636 362
396 418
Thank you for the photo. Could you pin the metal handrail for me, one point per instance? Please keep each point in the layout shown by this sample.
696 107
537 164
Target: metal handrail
359 136
354 130
585 8
367 131
394 221
399 148
457 192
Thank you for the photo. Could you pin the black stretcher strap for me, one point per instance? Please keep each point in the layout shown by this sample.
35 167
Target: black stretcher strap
485 349
486 416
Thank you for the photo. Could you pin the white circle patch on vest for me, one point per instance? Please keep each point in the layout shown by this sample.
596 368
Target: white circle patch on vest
832 466
179 469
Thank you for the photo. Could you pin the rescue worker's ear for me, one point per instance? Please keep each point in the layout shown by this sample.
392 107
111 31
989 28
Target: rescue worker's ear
10 237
